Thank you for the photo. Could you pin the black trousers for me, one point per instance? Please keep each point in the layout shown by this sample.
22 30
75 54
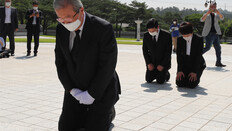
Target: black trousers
8 31
185 82
33 32
76 116
160 76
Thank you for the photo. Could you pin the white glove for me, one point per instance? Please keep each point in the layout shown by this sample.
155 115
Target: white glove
82 96
75 91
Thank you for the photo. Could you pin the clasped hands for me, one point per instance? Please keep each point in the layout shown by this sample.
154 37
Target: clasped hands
151 67
82 96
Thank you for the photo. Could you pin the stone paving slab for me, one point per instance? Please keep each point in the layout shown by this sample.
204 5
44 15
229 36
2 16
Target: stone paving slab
31 95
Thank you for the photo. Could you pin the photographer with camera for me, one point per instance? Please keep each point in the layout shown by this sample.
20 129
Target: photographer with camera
211 31
34 18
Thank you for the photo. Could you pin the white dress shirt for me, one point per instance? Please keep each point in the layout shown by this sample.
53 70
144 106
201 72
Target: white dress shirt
34 17
8 15
73 34
188 46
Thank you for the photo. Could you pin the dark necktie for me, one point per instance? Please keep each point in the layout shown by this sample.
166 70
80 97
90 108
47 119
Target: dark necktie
76 41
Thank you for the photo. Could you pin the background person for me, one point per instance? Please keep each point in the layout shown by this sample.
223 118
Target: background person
174 29
211 31
34 18
9 23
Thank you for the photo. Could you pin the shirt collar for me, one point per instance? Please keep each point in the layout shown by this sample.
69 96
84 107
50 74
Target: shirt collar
190 41
82 26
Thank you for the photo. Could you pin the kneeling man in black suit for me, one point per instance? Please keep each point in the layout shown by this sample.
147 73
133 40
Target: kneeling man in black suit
157 50
189 57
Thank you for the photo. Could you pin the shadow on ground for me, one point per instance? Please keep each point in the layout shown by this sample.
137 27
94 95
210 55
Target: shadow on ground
24 57
188 92
155 87
217 69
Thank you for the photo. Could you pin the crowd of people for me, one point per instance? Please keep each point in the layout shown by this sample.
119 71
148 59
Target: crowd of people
9 25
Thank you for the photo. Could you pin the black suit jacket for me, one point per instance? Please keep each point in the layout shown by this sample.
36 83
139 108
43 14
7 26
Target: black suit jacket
196 62
158 53
14 17
30 20
93 68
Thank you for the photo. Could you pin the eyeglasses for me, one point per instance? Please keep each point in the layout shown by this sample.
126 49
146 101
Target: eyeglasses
62 20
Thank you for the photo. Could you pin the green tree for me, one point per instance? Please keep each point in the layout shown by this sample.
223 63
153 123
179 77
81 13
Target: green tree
46 6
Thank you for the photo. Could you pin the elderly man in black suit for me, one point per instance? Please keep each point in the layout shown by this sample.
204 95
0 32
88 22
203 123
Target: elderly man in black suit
85 57
189 57
8 23
34 18
157 50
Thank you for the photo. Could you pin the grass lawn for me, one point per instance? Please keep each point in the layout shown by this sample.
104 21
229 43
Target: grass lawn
41 40
127 41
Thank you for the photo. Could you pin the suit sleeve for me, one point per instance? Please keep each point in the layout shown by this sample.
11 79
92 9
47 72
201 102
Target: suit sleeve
107 60
16 18
196 62
201 19
146 53
27 16
62 71
168 52
179 57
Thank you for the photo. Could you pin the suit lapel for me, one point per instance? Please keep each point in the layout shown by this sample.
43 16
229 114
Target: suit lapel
185 45
4 13
193 45
82 47
65 43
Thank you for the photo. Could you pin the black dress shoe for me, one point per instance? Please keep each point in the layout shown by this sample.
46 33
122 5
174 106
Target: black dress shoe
28 54
219 64
167 76
35 54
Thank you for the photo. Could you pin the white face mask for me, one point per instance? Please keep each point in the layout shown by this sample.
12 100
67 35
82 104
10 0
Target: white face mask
35 8
72 26
153 33
8 4
187 38
174 22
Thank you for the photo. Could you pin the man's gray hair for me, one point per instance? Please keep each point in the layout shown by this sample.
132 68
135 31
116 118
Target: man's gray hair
59 4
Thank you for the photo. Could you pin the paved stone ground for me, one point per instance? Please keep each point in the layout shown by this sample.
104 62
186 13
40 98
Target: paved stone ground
31 94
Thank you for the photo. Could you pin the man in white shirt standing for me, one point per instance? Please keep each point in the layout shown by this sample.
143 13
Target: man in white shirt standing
9 23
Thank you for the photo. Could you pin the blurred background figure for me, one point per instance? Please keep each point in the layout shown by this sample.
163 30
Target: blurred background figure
9 23
211 31
34 18
174 29
3 51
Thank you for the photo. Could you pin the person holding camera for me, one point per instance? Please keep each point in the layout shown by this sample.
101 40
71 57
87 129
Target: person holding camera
211 31
34 18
